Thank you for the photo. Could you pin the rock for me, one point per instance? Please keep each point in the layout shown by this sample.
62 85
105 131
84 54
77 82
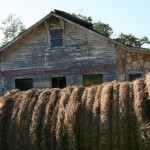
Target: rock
128 67
136 65
146 57
134 57
141 61
129 60
121 77
118 56
120 67
128 54
147 65
139 56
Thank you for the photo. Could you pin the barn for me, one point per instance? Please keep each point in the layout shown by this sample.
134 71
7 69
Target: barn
62 50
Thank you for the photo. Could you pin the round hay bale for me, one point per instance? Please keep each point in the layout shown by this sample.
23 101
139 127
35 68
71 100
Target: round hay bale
113 115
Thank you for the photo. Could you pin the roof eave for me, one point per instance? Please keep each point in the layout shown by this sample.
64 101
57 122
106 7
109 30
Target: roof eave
25 32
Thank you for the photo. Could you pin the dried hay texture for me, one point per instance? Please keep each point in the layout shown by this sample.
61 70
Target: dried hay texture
114 115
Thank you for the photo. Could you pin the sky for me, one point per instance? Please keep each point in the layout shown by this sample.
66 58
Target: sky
126 16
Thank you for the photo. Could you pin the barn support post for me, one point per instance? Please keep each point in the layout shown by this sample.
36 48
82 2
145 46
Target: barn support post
48 33
62 24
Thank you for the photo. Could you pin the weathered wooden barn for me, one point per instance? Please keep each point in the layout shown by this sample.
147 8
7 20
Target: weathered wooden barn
61 50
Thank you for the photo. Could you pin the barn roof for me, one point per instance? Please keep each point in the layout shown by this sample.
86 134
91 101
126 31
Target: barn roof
74 20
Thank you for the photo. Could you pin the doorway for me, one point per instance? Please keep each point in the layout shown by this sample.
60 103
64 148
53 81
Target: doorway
58 82
24 84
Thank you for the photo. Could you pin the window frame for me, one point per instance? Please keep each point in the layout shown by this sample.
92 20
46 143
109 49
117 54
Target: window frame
90 75
23 78
59 81
134 72
56 39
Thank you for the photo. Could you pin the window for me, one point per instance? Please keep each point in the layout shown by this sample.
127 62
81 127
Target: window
24 84
134 76
56 38
59 82
93 79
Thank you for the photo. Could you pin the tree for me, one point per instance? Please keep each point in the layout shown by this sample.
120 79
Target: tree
103 28
99 26
85 18
11 28
107 31
131 40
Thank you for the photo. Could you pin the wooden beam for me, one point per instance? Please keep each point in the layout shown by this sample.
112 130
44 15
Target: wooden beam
48 33
62 24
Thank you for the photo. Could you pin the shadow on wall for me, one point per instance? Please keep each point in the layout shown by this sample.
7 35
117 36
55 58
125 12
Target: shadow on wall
112 115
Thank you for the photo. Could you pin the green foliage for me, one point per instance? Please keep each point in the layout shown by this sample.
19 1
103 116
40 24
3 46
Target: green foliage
11 27
107 31
131 40
85 18
103 28
99 26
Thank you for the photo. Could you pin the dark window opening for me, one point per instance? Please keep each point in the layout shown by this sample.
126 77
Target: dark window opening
56 38
134 76
95 79
59 82
24 84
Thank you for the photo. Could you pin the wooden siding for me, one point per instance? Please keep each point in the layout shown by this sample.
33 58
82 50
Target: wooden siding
83 53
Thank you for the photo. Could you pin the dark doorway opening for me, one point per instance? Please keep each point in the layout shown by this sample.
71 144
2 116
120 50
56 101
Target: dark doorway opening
24 84
135 76
59 82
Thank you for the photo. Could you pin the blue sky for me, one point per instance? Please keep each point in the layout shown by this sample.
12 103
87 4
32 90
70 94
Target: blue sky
127 16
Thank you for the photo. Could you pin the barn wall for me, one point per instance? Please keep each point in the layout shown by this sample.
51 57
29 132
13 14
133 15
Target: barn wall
83 53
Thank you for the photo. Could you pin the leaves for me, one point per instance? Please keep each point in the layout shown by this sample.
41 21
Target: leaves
85 18
131 40
99 26
11 27
103 28
106 30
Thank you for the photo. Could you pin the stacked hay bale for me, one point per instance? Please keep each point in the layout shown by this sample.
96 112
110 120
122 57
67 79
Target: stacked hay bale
113 115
